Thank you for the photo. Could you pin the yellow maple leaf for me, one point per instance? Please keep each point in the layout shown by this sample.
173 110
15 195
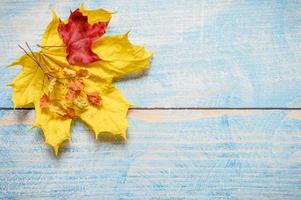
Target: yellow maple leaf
61 92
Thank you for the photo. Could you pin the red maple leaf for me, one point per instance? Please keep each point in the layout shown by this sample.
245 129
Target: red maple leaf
78 35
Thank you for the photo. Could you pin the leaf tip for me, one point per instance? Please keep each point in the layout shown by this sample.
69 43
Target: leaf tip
55 147
82 7
54 15
55 150
97 136
13 63
127 34
151 54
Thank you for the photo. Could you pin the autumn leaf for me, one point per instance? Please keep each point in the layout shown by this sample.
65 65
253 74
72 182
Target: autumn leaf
78 35
61 92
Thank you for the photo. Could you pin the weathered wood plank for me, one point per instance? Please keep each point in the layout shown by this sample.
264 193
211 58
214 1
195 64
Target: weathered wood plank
170 155
206 53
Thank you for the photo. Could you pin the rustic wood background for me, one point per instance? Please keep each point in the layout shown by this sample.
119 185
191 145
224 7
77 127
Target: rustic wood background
217 116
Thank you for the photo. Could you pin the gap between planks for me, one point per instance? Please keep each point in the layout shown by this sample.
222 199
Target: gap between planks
188 108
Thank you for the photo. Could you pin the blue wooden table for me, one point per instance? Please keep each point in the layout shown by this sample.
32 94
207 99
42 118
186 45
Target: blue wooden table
217 116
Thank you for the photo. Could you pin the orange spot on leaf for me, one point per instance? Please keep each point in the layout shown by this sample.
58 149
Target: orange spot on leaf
94 98
76 85
82 73
44 101
70 113
70 96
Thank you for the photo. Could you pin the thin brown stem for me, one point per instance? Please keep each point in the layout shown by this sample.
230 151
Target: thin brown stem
31 51
42 46
34 59
48 73
53 60
43 83
31 57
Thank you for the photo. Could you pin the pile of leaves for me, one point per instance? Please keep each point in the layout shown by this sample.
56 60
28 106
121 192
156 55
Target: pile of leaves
72 76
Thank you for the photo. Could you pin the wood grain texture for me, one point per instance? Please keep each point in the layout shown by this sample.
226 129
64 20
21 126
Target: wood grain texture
169 155
206 53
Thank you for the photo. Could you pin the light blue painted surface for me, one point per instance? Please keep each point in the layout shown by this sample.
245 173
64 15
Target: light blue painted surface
169 155
206 53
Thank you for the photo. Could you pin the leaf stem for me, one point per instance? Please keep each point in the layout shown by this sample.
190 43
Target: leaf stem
48 46
31 57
